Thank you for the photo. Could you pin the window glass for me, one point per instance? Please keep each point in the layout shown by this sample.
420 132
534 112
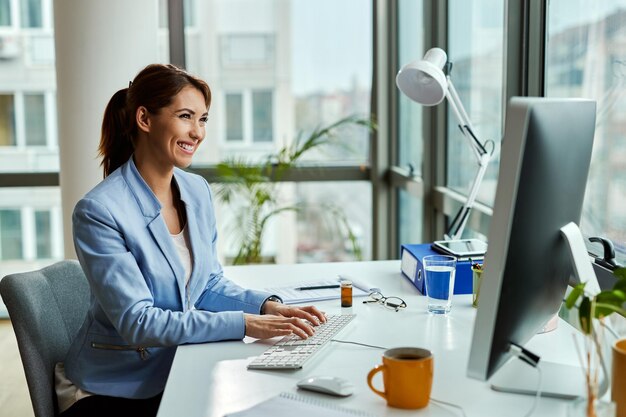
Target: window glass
262 115
410 136
35 119
311 222
5 12
585 58
10 234
410 217
299 66
31 14
476 42
410 48
43 234
234 117
7 120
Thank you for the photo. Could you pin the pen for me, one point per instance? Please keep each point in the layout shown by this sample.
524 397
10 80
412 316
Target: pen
318 287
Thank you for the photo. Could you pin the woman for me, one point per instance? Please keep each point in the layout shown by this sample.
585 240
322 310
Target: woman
146 239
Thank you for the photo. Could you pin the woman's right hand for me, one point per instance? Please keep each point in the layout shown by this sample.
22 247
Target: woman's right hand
266 326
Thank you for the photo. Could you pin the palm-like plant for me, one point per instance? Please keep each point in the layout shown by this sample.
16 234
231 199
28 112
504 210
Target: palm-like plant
256 184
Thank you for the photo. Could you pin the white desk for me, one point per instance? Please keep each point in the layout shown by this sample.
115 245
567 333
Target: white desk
212 380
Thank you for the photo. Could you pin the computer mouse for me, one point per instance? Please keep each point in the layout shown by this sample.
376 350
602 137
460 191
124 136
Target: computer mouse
330 385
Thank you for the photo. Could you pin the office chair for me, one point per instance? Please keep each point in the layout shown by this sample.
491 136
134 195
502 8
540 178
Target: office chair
46 307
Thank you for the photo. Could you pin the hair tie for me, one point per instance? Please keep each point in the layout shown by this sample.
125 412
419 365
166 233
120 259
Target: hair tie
130 83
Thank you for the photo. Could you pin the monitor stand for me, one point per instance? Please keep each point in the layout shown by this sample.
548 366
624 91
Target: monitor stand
558 380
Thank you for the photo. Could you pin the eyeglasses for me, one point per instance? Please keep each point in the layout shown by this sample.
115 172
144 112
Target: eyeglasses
393 303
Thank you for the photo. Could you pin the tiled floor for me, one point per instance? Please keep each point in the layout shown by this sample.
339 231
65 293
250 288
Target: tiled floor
14 399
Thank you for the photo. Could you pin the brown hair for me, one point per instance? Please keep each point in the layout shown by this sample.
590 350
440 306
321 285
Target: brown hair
154 88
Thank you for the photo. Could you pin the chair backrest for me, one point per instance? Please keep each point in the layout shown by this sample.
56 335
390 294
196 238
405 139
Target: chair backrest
47 308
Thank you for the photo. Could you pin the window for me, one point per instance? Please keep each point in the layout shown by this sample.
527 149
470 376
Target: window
7 120
262 115
31 14
410 138
10 234
43 234
35 119
585 58
25 121
5 13
476 49
281 69
234 117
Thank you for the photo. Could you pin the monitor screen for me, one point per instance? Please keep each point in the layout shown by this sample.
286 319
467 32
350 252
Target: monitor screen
544 164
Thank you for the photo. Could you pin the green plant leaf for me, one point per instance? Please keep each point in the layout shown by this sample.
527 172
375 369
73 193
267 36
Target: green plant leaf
584 315
573 296
620 272
605 309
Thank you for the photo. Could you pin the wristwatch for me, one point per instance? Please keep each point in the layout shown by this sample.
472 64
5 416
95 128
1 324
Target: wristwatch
271 298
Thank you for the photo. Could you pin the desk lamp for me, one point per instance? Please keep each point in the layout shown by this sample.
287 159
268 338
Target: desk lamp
425 83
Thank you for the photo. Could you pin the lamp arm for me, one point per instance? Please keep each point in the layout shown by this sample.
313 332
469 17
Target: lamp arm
455 230
464 121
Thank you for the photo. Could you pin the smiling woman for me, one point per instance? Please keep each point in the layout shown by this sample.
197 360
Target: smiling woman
146 240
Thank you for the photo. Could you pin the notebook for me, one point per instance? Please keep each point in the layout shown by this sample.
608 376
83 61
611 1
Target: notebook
289 404
291 295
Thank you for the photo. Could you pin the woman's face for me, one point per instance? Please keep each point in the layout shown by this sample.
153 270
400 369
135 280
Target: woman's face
176 131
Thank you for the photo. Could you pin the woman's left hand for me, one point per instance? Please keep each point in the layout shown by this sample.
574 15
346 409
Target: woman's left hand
310 313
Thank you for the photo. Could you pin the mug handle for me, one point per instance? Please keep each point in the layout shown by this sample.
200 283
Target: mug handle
370 375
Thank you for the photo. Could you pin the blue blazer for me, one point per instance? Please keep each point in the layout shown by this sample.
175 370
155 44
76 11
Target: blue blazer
139 308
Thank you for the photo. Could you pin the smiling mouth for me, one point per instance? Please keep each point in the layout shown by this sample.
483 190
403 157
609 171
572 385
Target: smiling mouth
186 147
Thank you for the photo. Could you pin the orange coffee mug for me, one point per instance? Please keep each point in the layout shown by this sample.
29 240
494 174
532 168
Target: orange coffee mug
618 381
407 377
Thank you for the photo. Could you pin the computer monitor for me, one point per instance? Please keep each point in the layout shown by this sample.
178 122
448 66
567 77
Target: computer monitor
544 164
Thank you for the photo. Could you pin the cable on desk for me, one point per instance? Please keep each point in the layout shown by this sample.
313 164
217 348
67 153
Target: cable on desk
532 360
436 401
357 343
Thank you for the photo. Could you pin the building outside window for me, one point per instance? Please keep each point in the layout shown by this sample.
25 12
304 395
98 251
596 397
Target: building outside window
476 49
11 239
279 70
586 57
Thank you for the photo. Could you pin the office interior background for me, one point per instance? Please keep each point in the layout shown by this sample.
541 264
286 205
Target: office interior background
279 67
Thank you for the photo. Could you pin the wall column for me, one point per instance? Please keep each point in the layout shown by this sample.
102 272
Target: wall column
100 46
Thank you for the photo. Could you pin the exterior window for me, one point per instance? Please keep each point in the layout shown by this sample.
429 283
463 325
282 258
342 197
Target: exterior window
585 58
10 234
476 48
31 14
262 115
5 12
234 117
7 120
43 234
35 119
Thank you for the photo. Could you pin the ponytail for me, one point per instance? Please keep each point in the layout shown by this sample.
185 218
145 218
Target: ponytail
116 145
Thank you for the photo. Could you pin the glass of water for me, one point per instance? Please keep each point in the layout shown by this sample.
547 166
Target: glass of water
439 273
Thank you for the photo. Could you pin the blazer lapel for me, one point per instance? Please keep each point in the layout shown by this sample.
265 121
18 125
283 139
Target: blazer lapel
151 210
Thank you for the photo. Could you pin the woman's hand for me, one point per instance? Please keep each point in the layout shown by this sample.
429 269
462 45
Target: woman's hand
266 326
310 313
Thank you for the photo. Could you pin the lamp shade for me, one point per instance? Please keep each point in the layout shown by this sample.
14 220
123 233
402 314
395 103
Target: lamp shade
424 81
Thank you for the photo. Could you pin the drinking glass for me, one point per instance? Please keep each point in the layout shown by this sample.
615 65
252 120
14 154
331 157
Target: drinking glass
439 271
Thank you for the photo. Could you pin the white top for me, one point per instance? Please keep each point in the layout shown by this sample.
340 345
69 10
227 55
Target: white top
181 241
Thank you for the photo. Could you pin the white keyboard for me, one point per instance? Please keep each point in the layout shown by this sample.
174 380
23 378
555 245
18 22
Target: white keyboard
291 352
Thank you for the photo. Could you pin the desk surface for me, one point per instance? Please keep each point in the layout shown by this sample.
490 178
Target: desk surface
211 379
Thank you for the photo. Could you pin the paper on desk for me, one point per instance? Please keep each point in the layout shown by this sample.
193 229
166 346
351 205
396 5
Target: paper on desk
291 295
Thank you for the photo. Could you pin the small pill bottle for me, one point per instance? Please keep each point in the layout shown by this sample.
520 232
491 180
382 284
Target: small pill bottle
346 293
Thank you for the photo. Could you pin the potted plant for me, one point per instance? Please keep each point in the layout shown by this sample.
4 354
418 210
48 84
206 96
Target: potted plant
592 312
251 188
